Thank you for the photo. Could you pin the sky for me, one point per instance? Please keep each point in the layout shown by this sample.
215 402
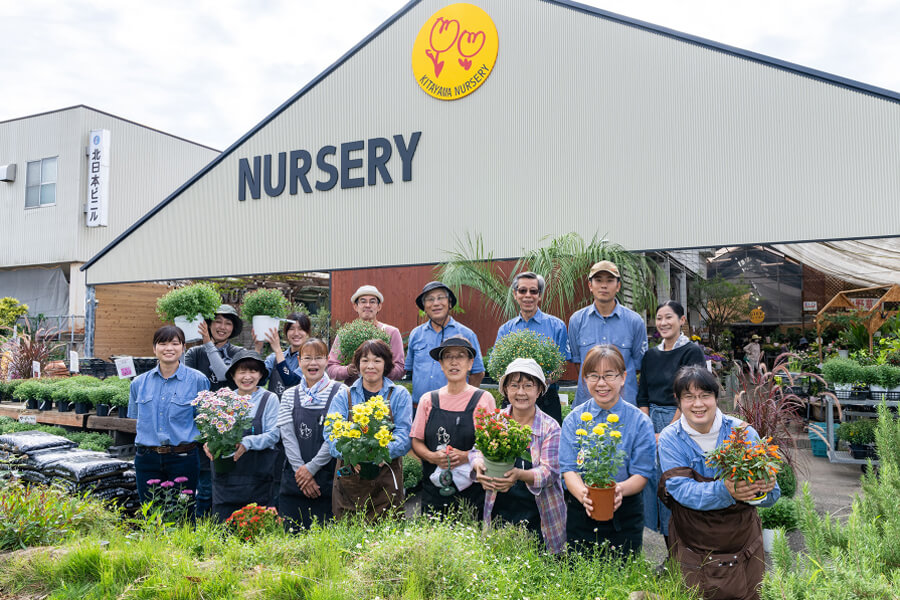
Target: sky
209 71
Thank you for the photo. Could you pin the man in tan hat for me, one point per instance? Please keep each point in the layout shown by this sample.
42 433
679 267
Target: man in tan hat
367 301
606 321
752 354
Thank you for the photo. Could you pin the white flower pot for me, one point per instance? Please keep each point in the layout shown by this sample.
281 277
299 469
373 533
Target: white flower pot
190 327
768 540
262 324
844 353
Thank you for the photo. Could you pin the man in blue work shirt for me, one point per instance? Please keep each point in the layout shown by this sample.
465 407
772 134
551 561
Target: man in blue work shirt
606 321
436 300
528 289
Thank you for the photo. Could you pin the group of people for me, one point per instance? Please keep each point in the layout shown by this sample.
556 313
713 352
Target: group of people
288 458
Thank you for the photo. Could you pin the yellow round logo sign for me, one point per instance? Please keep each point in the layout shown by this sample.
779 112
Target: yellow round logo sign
757 315
455 51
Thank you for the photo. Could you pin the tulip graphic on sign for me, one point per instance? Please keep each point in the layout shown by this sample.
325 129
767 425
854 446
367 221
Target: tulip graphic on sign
447 32
467 41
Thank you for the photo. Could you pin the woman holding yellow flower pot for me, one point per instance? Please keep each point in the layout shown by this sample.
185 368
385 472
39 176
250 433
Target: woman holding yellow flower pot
714 532
354 488
604 374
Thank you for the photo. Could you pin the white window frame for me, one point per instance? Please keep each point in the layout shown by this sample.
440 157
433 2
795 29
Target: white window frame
40 184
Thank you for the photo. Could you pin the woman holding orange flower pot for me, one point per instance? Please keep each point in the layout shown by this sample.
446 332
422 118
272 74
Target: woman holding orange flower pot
604 374
714 532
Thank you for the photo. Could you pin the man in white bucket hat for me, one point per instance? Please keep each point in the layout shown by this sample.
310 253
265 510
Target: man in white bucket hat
367 301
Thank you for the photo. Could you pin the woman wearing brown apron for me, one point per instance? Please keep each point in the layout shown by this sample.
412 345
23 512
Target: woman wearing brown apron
714 533
351 492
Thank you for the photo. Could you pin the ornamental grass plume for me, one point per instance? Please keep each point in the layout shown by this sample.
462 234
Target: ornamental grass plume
364 438
740 459
527 344
352 335
599 457
501 438
222 417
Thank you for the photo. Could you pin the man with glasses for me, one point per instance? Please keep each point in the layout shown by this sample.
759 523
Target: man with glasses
606 321
528 289
436 300
367 301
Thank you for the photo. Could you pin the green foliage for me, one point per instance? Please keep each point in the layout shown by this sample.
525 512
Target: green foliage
842 371
39 515
781 515
860 431
527 344
888 376
10 311
598 444
320 321
720 302
412 472
26 391
565 263
189 301
263 302
91 440
352 335
787 481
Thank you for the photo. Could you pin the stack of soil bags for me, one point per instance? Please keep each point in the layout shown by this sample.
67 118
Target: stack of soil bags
50 459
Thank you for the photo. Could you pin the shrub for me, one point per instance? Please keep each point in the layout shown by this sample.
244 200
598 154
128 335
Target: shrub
787 481
91 440
527 344
352 335
412 472
781 515
262 302
888 376
102 394
26 391
189 301
842 371
10 311
860 431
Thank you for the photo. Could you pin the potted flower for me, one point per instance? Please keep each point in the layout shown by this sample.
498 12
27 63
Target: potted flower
363 439
265 308
222 417
885 379
501 440
27 392
599 459
119 400
188 307
739 459
781 515
80 398
527 344
252 520
352 335
860 436
842 373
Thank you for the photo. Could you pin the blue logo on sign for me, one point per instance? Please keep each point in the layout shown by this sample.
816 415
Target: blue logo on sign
96 139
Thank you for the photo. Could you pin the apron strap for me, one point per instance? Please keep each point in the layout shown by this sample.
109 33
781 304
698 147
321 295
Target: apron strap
435 400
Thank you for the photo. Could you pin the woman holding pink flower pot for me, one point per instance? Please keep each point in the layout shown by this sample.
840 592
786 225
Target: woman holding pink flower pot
251 475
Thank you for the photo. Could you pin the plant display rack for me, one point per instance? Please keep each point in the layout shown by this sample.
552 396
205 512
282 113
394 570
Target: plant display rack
843 456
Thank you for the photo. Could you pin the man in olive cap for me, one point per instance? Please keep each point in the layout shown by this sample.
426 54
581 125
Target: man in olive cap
214 355
606 321
436 300
367 301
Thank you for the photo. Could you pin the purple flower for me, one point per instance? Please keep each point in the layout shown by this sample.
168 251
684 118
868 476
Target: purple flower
187 492
167 484
181 480
152 481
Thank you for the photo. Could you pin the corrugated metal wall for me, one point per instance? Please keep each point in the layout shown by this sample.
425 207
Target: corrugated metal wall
146 167
585 124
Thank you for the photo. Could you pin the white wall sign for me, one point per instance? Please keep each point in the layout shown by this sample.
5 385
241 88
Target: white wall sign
810 306
98 179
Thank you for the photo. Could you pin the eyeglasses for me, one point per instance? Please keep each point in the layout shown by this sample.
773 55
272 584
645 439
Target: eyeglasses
528 291
312 358
593 378
703 397
368 301
527 387
435 299
455 356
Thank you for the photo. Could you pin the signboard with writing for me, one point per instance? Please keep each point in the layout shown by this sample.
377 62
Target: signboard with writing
757 315
125 367
98 179
864 303
455 51
810 306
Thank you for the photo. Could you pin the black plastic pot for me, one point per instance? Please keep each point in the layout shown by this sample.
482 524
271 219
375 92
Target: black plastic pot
82 408
46 405
31 404
123 412
103 410
863 451
63 406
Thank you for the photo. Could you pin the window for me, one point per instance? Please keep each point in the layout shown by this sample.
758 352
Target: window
40 183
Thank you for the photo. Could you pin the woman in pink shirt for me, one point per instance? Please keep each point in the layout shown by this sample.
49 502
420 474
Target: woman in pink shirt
443 432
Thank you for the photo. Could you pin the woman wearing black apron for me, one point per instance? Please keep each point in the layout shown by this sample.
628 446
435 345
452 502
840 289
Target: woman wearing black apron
308 473
531 492
251 478
443 432
604 374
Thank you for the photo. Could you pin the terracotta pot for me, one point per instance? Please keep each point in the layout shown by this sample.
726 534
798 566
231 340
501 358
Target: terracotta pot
603 500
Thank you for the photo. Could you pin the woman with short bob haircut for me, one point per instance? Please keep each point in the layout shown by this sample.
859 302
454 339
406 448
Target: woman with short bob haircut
373 360
604 375
714 533
284 367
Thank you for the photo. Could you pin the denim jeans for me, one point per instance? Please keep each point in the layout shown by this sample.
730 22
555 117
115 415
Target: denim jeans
165 467
656 515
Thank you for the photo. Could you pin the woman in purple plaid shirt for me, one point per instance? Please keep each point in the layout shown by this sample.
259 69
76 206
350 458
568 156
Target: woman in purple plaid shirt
531 492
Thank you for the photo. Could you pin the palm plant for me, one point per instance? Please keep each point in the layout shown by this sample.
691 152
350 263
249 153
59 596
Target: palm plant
564 262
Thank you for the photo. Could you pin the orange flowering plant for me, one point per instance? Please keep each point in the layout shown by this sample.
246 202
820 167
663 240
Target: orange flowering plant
740 459
252 520
501 438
